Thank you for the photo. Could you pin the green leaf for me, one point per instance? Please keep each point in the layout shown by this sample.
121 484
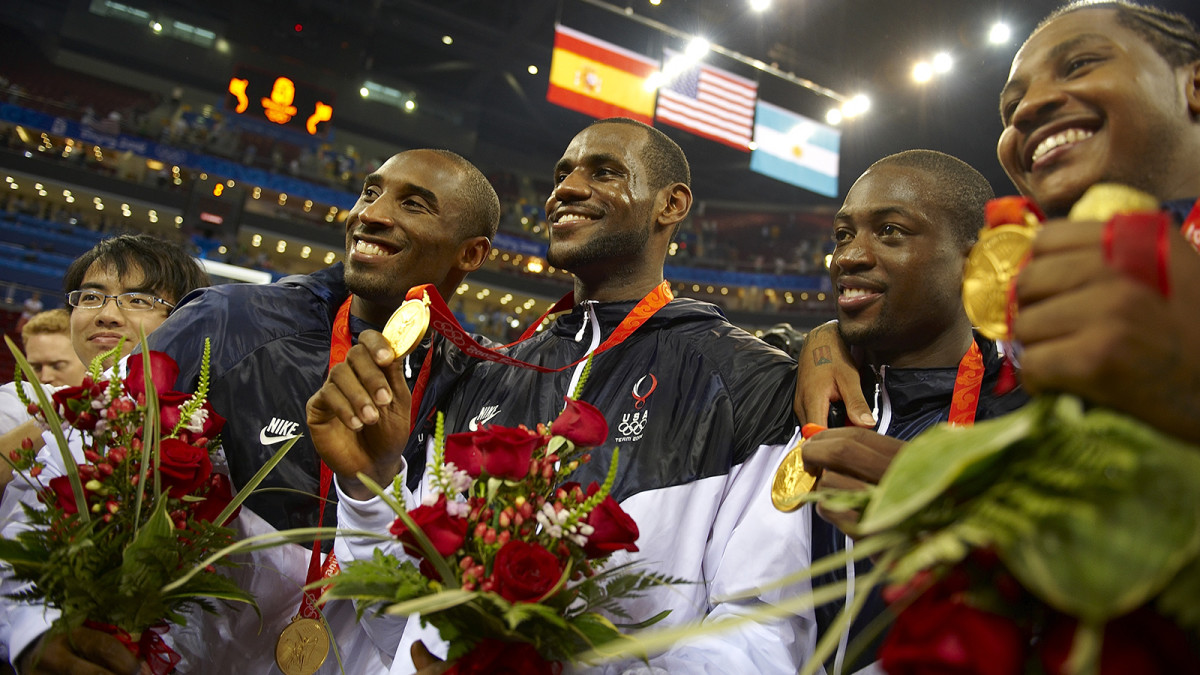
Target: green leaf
521 612
596 629
1178 599
55 424
939 457
439 563
1144 528
383 579
247 489
433 603
17 553
557 443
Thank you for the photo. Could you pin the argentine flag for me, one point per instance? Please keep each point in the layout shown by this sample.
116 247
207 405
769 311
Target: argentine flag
795 149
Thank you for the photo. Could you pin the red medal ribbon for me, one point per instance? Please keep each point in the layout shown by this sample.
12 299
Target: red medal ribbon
150 647
1137 244
965 399
1191 226
444 322
339 346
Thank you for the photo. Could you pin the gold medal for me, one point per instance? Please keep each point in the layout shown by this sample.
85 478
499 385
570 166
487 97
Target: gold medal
1102 201
792 482
407 326
302 647
990 271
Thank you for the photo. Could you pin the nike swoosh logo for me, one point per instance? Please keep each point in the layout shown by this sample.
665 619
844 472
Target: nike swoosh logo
481 419
271 439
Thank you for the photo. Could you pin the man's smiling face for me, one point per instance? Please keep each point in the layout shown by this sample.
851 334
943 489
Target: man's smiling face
1089 100
405 228
601 207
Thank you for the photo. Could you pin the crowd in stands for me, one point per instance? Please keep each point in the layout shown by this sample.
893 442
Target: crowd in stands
724 241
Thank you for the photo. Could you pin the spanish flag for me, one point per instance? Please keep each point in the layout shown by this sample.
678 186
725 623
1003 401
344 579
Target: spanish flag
600 79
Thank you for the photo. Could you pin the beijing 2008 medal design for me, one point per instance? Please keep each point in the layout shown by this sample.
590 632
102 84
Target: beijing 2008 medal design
302 647
407 326
791 482
990 271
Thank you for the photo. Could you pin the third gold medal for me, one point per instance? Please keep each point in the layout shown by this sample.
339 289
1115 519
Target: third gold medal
994 261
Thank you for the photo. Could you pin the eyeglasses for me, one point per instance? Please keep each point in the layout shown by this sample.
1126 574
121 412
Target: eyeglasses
130 302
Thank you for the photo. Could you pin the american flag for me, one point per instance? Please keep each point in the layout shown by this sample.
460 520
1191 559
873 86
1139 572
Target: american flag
709 102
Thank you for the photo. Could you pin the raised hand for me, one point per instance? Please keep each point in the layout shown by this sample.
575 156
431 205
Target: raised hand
359 419
827 373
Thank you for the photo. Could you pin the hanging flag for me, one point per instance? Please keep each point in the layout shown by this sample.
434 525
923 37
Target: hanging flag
598 78
794 149
708 102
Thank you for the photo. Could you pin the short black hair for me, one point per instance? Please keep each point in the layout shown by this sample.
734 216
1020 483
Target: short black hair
166 267
482 203
961 191
661 155
1172 35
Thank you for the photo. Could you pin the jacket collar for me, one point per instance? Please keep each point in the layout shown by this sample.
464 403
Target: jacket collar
913 390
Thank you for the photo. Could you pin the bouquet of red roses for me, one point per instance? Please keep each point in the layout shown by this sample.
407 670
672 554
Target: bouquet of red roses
128 503
1056 539
508 559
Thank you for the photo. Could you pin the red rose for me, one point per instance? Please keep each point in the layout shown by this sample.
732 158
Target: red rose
525 572
64 496
461 451
493 657
1140 642
169 404
581 423
938 633
69 401
444 531
163 371
183 467
502 452
218 496
613 529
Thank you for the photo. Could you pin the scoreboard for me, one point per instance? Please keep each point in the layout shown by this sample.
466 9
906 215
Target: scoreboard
280 99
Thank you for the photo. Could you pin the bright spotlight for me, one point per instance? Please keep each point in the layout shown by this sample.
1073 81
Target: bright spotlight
856 106
834 116
922 72
364 92
697 48
760 5
533 70
942 62
1000 33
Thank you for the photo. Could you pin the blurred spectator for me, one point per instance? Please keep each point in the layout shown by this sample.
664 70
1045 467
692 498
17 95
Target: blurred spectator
47 340
31 306
783 336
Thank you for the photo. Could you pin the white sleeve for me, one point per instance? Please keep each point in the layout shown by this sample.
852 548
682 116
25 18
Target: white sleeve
12 411
22 623
752 543
371 515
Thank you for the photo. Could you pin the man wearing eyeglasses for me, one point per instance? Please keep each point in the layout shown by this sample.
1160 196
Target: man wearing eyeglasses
122 287
117 297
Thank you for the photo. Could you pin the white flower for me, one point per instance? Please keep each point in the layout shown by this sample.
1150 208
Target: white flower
552 520
195 423
460 481
457 509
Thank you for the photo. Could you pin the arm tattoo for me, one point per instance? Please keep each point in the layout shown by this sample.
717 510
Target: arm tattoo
822 356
